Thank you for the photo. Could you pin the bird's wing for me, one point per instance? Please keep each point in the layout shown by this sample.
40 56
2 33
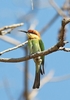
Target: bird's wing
42 49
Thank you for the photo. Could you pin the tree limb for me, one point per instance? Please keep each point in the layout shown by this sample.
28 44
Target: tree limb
56 47
57 8
8 29
46 52
64 49
10 49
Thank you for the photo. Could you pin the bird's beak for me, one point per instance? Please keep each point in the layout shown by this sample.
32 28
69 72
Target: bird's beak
23 31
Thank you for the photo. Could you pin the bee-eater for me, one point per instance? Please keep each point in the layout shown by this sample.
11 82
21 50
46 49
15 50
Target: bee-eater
35 44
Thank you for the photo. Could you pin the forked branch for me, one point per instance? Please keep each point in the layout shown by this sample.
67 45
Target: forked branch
55 48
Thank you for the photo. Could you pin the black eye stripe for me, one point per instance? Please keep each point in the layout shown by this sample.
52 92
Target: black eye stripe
23 31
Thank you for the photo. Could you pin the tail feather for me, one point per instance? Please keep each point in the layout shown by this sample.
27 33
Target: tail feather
42 70
37 80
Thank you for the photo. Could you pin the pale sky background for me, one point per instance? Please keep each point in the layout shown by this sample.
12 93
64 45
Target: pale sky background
10 13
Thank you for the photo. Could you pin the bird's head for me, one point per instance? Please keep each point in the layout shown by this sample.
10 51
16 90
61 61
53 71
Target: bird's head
32 34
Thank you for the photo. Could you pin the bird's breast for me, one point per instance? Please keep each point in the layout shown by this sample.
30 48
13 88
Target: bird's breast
34 46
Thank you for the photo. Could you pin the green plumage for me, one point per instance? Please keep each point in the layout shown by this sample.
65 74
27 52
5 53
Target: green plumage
36 45
42 49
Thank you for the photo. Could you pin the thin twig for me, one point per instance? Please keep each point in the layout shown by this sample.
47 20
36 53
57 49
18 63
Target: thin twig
49 24
60 78
10 49
46 52
7 89
9 40
32 4
64 49
55 17
57 8
11 27
6 32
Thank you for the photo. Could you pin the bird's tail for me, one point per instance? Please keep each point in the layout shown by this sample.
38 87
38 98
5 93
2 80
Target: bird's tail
37 79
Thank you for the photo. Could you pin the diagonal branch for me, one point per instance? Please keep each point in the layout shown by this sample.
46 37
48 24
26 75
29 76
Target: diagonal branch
49 24
8 29
56 47
46 52
64 49
57 8
60 78
32 4
10 49
9 40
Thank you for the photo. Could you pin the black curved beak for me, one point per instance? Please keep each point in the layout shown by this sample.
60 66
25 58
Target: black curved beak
23 31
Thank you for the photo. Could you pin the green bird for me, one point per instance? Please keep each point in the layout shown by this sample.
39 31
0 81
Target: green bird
35 44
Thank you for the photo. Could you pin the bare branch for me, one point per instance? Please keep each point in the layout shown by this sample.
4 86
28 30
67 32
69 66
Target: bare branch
49 24
32 4
45 80
10 40
60 78
10 27
10 49
65 21
14 60
57 8
8 92
34 24
62 33
55 17
64 49
56 47
6 32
